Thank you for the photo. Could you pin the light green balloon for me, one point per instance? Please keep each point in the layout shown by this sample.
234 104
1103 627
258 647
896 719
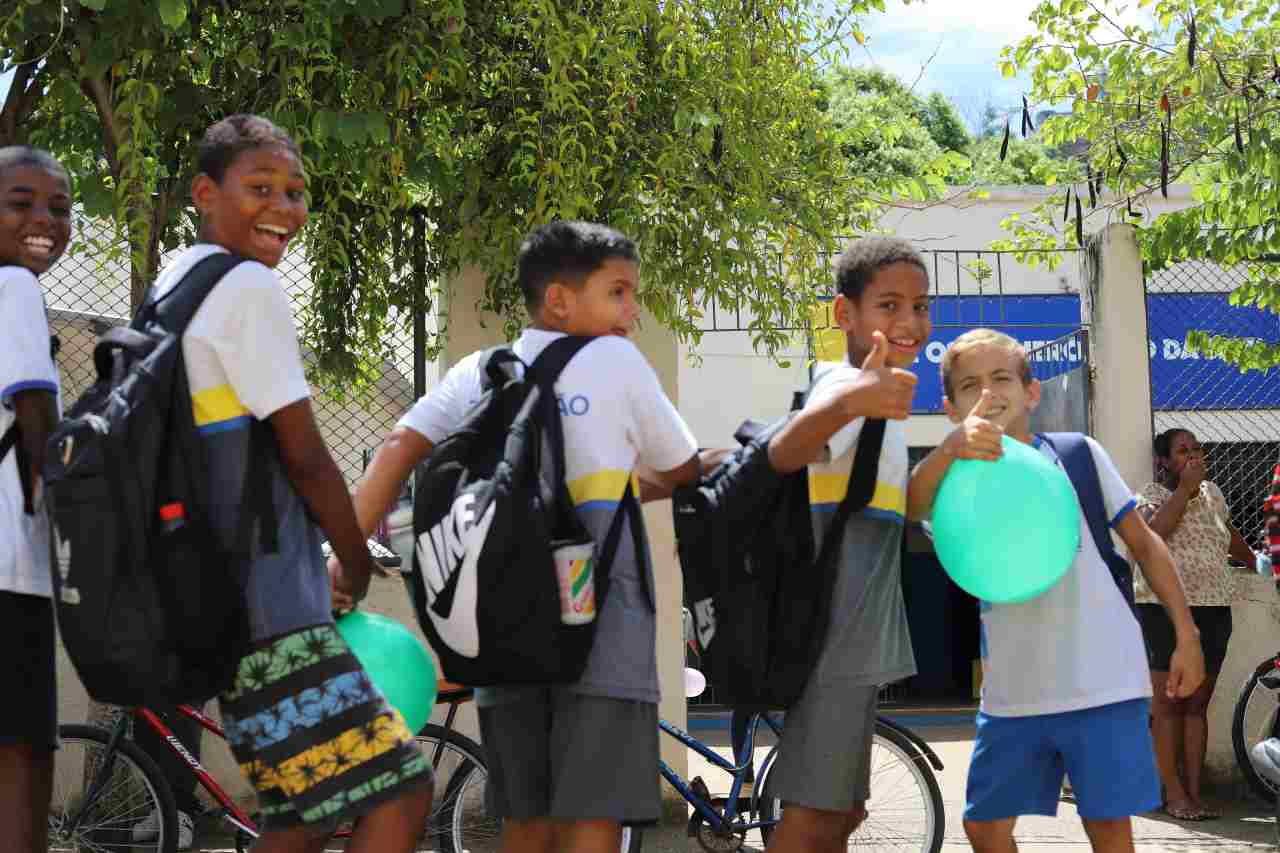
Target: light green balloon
396 661
1006 531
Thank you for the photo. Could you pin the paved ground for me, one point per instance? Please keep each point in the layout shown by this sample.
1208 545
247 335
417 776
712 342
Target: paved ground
1247 825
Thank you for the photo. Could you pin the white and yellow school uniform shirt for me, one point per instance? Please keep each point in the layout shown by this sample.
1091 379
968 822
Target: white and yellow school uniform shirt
868 642
243 363
615 415
25 365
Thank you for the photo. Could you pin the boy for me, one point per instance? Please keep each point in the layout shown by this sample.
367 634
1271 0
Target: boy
823 771
570 764
35 226
1065 684
317 740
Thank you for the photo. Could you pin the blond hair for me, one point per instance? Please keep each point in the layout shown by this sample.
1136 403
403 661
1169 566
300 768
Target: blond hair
975 338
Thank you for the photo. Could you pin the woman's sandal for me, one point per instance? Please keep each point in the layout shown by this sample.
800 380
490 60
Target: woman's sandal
1187 814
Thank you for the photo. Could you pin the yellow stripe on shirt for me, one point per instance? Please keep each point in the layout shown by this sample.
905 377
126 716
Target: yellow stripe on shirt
830 489
217 405
604 486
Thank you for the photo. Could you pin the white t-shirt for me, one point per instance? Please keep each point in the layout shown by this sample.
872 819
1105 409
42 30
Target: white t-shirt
615 415
1076 646
25 364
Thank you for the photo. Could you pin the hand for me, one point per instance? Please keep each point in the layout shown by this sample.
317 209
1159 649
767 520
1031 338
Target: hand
976 437
1186 670
345 592
1191 476
880 391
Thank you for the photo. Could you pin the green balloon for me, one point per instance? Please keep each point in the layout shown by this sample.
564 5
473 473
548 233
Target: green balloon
396 661
1006 531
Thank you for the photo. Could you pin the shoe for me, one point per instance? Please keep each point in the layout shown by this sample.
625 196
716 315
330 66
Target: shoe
148 829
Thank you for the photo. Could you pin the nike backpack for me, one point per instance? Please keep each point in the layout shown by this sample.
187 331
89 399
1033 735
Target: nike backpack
759 588
150 605
484 583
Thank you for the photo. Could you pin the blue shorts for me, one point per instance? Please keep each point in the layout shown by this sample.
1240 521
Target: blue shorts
1018 763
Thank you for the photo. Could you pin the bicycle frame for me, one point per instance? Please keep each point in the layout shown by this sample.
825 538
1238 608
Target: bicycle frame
717 819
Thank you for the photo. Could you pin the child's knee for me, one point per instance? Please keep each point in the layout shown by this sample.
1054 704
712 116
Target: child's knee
821 830
1110 836
989 835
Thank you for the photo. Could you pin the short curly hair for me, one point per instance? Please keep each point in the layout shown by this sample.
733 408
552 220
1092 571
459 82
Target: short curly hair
1163 443
858 264
227 139
14 156
567 250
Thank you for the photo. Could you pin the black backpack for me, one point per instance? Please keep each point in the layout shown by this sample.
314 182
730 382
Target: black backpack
484 582
759 590
150 605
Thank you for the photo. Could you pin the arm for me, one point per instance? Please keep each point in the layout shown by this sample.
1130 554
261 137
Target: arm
400 453
925 480
316 478
1239 549
1186 667
659 485
975 438
37 414
1164 520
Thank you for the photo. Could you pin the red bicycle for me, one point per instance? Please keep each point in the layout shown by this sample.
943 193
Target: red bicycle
105 785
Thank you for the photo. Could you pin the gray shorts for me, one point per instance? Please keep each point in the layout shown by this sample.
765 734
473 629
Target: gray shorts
562 755
824 756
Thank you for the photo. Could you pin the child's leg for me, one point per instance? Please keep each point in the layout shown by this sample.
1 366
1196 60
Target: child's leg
1110 836
26 783
991 836
1195 737
296 840
808 830
588 836
393 827
534 835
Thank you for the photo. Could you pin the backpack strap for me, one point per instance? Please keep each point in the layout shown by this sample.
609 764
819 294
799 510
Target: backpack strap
1077 461
11 440
862 487
177 305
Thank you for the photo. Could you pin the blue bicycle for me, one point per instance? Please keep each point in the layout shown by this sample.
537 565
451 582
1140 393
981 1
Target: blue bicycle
904 813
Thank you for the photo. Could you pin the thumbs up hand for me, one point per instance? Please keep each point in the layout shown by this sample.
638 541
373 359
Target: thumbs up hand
880 391
976 437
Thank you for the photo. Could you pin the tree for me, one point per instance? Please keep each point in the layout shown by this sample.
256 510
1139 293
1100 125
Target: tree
1190 99
693 126
885 130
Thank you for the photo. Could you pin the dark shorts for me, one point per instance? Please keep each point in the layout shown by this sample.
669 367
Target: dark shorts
315 738
30 715
557 754
824 756
1215 630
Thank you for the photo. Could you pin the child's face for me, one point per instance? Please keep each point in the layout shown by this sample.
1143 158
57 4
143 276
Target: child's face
896 303
35 217
994 368
605 304
258 208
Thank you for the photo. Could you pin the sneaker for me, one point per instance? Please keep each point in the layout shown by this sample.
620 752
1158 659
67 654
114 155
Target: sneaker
148 829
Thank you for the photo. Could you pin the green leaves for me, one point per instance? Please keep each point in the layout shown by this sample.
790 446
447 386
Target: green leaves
172 12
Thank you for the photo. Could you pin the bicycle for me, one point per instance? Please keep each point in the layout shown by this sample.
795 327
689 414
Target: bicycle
906 819
1256 718
105 784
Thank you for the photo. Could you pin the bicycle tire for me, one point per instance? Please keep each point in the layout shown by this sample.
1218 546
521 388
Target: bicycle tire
872 834
1243 740
116 831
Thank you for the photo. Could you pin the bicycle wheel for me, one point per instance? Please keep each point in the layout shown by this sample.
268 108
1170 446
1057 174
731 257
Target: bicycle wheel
99 800
904 812
463 822
1256 718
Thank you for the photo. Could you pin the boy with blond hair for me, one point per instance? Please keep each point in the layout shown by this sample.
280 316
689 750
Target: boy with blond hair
1065 684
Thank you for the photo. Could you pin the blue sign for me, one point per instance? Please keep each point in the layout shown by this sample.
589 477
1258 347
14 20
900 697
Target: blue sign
1180 379
1031 320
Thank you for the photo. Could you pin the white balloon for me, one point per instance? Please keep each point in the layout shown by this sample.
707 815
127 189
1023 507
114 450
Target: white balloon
694 683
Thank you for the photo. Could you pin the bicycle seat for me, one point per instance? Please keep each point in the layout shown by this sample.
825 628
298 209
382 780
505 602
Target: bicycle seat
448 691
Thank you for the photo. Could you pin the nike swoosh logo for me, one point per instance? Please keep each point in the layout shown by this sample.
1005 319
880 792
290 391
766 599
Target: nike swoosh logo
457 625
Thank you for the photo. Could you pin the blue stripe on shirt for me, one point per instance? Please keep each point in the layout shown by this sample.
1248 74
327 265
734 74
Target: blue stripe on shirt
241 422
1124 510
28 385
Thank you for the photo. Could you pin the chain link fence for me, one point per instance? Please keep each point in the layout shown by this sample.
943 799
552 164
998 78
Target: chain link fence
1236 416
87 293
